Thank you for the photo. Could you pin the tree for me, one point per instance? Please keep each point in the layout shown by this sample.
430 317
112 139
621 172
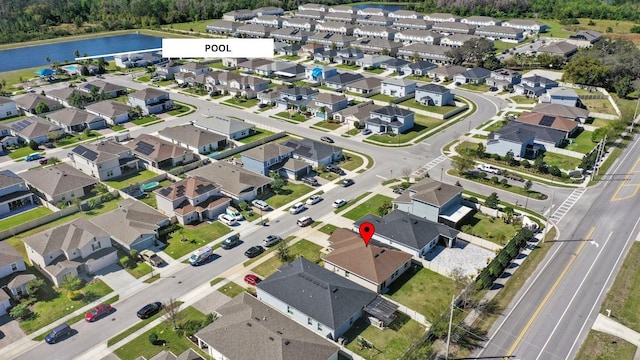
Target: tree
509 157
77 53
71 283
35 287
462 284
462 164
587 71
20 311
53 160
385 208
153 338
540 165
527 185
283 252
555 171
172 312
480 151
41 108
277 185
243 205
48 60
509 213
102 64
492 201
34 145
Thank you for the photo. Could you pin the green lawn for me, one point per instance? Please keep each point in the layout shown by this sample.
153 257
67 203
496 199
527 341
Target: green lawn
139 270
21 153
419 78
198 236
178 109
409 290
521 99
289 57
145 120
501 45
117 128
15 220
351 162
582 143
304 248
58 305
475 87
217 65
295 117
431 108
383 97
388 344
132 178
328 125
242 102
231 289
70 140
150 200
288 193
349 203
259 134
375 71
488 228
622 298
556 29
561 161
140 346
145 78
602 106
348 67
328 229
369 207
494 127
601 346
197 26
422 124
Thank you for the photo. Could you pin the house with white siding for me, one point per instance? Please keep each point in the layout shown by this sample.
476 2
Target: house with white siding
442 17
502 33
397 87
192 200
104 160
528 26
8 108
421 36
373 31
481 21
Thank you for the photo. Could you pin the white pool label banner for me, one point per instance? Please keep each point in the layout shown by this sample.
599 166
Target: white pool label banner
217 48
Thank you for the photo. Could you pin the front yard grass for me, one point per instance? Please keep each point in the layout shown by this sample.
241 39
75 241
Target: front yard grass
198 236
622 298
288 193
442 110
15 220
351 161
352 202
388 344
259 134
375 71
132 178
371 206
140 346
408 290
475 87
21 153
330 125
70 140
601 346
242 102
231 289
489 228
304 248
178 109
145 120
495 126
582 143
328 229
422 124
295 116
58 305
348 67
523 100
561 161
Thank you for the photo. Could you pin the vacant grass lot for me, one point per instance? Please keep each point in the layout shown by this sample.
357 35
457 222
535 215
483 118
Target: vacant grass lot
390 343
582 143
422 124
197 26
383 97
131 178
490 229
259 134
622 299
556 29
561 161
370 206
288 193
520 99
198 236
304 248
602 106
15 220
601 346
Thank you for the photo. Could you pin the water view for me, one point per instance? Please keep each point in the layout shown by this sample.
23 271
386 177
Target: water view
32 56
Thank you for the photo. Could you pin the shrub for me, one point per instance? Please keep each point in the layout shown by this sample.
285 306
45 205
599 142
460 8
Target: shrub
20 311
153 338
75 295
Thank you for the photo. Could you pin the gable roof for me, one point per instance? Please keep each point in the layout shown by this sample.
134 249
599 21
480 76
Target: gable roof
430 191
434 88
148 93
31 100
521 132
563 92
9 178
559 48
8 254
110 108
130 220
570 112
344 78
190 187
311 149
366 83
398 82
223 125
319 293
421 65
64 93
410 230
448 70
69 236
33 127
300 90
101 85
233 179
392 111
72 116
101 151
551 121
273 335
537 79
153 148
375 262
58 179
328 98
476 73
267 152
360 111
191 135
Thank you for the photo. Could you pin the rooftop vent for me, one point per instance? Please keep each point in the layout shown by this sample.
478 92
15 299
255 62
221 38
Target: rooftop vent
249 324
279 332
271 338
287 342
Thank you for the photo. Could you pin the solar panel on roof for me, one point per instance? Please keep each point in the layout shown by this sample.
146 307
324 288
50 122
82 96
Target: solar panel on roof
86 153
546 120
144 148
20 125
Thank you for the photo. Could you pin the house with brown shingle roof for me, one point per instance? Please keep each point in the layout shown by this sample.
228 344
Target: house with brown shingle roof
374 266
192 200
151 100
29 103
266 158
194 138
59 183
237 183
76 120
568 126
159 153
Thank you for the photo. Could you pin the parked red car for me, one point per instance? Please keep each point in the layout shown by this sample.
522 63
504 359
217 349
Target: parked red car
98 312
251 279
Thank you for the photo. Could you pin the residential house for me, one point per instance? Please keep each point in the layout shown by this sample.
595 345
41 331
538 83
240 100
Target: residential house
194 138
310 49
113 112
343 9
446 72
239 15
273 21
8 108
359 112
559 48
421 36
231 63
374 20
313 7
273 335
190 69
325 104
374 266
315 297
133 225
284 69
405 14
434 95
138 60
476 76
457 40
192 200
390 119
266 158
534 86
335 27
158 153
410 233
13 276
418 68
269 10
76 120
104 160
313 152
269 96
419 24
231 128
502 33
14 194
291 35
65 94
529 26
332 40
397 87
71 249
570 112
442 17
151 101
364 86
372 11
7 139
36 129
377 46
372 61
106 90
296 97
238 85
434 53
30 102
60 183
517 138
299 23
435 201
320 72
562 96
348 56
504 79
253 31
223 27
284 48
568 126
453 28
341 80
340 17
325 56
585 38
309 16
375 31
480 21
188 354
237 183
394 64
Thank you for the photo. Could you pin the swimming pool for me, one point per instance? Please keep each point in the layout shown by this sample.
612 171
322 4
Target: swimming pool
70 69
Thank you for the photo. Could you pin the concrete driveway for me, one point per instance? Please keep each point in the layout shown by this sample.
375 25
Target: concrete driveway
11 331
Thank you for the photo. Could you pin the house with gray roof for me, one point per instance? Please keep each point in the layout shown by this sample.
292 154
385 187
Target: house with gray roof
570 112
194 138
504 78
102 88
329 40
231 128
14 193
71 249
64 94
325 104
274 21
404 23
188 354
314 152
113 112
59 183
266 158
559 48
253 31
434 53
405 14
481 21
192 200
239 15
371 45
158 153
457 40
104 160
359 112
390 119
13 276
502 33
585 38
343 9
237 183
339 81
371 61
291 35
35 128
224 27
76 120
311 17
530 26
320 300
410 233
347 18
348 56
394 64
397 87
8 108
418 68
442 17
562 96
446 72
296 97
273 335
416 35
453 27
524 140
30 101
151 101
434 95
374 20
133 225
476 76
367 85
534 86
313 7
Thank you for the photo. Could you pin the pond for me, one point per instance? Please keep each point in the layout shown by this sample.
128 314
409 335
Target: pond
32 56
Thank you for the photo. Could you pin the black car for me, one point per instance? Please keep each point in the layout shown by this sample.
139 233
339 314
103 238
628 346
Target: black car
149 310
254 251
230 242
398 190
327 139
347 182
334 169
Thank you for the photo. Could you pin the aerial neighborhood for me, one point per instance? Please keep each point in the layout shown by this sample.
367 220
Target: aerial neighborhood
369 192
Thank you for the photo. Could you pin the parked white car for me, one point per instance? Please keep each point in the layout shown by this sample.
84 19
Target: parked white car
314 199
261 205
489 169
339 203
234 213
227 219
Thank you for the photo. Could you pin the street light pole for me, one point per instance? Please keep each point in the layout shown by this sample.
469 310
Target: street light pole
527 201
546 227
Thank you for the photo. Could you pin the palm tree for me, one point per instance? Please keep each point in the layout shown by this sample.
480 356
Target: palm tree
48 60
77 53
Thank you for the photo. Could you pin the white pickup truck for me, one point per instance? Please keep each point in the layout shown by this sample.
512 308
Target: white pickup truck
489 169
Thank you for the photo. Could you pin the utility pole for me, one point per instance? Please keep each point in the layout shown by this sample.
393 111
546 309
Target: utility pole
600 155
453 299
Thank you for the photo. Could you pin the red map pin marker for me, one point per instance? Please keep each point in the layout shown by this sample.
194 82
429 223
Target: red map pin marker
366 231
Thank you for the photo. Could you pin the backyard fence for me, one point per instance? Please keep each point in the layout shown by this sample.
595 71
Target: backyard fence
37 222
251 145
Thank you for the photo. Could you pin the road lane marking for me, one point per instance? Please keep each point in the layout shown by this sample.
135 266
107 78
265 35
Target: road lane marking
381 177
549 293
625 184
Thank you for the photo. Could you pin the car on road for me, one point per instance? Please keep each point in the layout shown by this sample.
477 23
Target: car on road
98 312
347 182
493 88
252 279
314 199
458 83
59 333
261 205
201 255
151 257
43 161
327 139
365 131
155 79
271 240
227 219
254 251
339 203
32 157
305 221
149 310
230 242
297 208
